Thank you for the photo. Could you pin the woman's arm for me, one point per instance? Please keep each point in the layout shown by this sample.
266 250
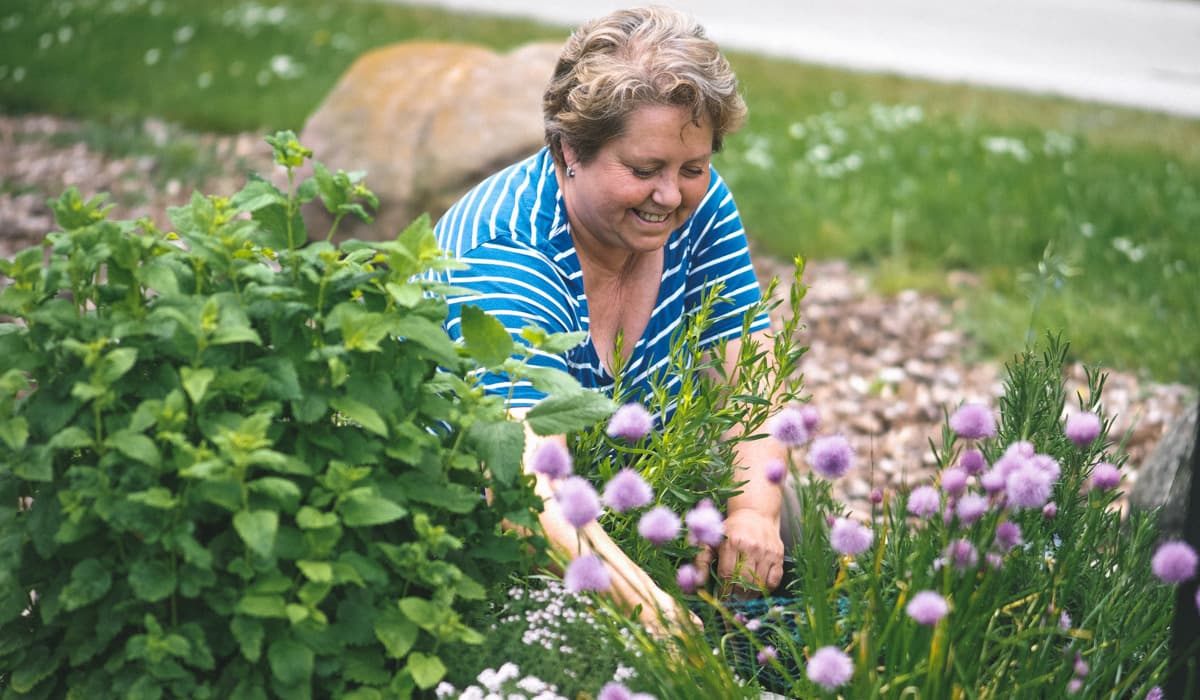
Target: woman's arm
752 520
631 585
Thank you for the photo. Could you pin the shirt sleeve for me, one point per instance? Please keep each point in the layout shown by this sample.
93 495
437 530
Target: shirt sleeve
518 286
720 254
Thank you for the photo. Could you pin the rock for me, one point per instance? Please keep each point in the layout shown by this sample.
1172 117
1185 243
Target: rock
1166 476
427 120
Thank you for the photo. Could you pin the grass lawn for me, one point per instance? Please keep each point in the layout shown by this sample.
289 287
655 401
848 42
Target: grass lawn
1072 216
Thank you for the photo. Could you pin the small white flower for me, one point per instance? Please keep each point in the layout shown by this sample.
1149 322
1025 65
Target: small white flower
152 56
184 34
65 34
18 74
204 80
45 41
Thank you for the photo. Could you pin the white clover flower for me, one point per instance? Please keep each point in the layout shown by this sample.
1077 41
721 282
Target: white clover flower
1003 145
204 80
18 74
184 34
152 56
10 22
65 34
45 41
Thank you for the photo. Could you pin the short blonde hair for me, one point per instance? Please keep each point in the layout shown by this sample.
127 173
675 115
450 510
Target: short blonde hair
633 58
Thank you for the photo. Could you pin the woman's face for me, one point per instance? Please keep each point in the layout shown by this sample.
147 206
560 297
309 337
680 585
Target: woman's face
642 185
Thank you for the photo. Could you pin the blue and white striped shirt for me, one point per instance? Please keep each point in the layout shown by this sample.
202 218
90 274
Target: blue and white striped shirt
512 231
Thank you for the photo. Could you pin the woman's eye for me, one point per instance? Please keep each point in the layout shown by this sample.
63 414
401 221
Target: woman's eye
693 172
642 173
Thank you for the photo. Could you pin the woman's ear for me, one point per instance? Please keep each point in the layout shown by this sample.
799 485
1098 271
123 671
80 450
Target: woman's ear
568 154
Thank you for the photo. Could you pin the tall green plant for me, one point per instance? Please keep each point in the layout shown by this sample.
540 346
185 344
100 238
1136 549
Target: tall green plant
234 464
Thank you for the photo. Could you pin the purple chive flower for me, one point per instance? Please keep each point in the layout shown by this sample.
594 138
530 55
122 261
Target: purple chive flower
1050 510
1082 428
971 508
1074 686
767 655
927 607
775 471
993 560
992 480
753 625
973 421
1154 693
787 427
1105 476
688 578
1008 463
924 501
849 537
630 423
962 555
1174 562
1028 487
614 691
811 417
627 490
972 462
1064 621
705 524
586 573
877 495
831 456
1198 600
659 525
1047 464
551 458
954 480
1021 448
578 501
1008 535
829 667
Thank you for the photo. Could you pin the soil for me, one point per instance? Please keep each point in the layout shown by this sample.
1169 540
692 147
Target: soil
881 369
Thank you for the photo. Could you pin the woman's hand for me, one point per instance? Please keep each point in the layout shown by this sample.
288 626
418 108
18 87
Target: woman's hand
752 550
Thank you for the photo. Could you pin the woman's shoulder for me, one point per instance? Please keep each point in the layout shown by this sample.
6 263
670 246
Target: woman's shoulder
519 202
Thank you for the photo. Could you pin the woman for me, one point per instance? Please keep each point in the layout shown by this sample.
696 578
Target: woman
617 227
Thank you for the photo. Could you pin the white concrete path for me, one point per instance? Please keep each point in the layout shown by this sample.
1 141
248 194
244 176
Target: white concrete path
1139 53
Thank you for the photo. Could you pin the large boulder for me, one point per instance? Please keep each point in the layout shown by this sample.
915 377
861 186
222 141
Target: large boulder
427 120
1165 477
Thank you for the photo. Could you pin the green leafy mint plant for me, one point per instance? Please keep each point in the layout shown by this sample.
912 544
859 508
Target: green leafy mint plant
234 464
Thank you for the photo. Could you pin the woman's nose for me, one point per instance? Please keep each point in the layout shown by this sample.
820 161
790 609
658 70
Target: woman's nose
667 193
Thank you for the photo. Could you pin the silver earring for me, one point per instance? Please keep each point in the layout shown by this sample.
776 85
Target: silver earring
570 171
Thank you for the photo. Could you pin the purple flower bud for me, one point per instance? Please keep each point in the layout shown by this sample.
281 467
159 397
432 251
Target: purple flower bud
688 578
962 555
993 560
767 655
578 501
954 480
927 607
1082 428
877 495
775 471
551 458
787 427
1154 693
972 461
586 573
1008 535
811 417
849 537
630 423
1074 686
973 421
659 525
1064 621
1105 476
971 508
705 524
831 456
1174 562
627 490
924 501
829 667
1081 668
1050 510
